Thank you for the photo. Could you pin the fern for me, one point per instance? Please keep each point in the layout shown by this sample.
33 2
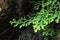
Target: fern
50 12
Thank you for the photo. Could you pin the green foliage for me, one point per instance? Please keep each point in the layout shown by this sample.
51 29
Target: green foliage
49 12
49 32
36 4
